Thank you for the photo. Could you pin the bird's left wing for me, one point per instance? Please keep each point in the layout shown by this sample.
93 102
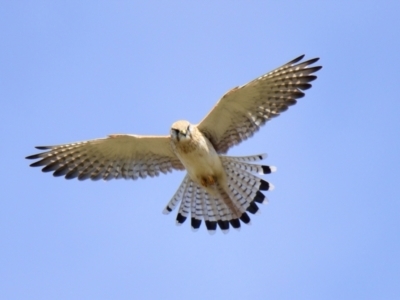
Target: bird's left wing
243 110
117 156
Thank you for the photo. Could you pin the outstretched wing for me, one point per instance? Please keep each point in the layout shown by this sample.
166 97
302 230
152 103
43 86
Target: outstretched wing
243 110
117 156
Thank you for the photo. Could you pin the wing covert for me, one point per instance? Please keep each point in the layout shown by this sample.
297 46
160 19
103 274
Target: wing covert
117 156
243 110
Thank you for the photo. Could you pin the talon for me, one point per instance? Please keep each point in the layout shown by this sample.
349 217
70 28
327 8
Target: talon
207 181
211 180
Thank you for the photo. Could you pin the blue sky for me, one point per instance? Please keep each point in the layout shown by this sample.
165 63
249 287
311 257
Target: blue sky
80 70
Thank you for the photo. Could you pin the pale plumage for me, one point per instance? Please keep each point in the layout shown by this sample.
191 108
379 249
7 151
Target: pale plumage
218 189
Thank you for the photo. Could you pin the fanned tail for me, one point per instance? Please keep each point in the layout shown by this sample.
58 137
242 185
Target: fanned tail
244 187
230 206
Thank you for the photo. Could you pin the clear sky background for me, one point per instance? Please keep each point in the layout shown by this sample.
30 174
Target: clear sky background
78 70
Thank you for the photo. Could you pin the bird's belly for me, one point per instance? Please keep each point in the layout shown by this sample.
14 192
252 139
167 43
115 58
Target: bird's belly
198 163
203 166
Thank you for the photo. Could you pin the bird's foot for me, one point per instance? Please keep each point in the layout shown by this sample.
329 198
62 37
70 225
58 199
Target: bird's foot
207 181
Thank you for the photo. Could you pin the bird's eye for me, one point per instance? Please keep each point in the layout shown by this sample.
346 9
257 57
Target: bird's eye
188 128
174 131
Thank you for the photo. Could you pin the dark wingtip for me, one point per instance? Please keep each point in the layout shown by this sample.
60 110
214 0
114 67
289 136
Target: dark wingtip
43 147
297 59
311 61
304 86
311 78
72 174
297 95
61 171
34 156
315 69
39 163
50 167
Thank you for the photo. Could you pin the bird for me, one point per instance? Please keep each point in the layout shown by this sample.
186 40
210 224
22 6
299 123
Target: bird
218 189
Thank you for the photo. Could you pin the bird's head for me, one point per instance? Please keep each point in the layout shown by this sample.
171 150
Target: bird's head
181 131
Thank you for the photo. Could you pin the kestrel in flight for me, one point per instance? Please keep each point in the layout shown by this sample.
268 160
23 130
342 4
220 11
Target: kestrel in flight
218 189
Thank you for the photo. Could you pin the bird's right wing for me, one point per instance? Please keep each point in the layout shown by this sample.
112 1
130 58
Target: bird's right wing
243 110
117 156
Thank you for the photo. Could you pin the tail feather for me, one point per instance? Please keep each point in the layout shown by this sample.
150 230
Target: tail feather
245 186
211 211
185 206
228 210
177 197
248 158
230 206
248 180
244 167
197 208
221 218
237 196
211 214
